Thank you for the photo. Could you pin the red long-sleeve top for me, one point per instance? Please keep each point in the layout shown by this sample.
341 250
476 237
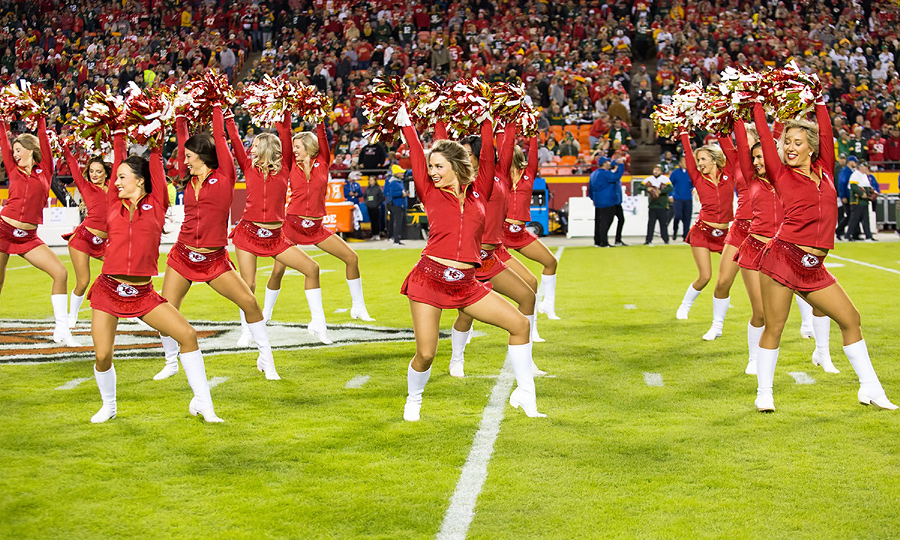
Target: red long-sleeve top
741 185
308 192
455 229
520 192
95 199
716 199
810 210
266 192
498 204
206 209
133 239
27 193
768 213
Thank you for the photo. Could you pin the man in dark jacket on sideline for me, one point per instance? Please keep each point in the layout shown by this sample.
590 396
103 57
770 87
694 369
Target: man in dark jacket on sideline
605 188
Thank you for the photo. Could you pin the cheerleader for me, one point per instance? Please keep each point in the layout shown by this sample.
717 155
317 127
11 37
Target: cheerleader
29 184
715 186
200 254
444 278
304 224
794 259
768 214
493 254
89 238
135 218
516 236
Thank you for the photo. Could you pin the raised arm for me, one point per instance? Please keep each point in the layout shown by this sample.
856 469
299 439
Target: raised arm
8 162
743 150
440 131
419 165
689 161
226 161
181 131
119 155
324 156
237 145
826 137
532 168
731 158
74 168
158 177
774 167
484 182
507 144
46 152
287 143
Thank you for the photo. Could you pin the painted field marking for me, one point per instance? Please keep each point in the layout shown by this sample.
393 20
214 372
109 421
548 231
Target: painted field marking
341 310
865 264
216 381
801 377
834 265
630 306
653 379
474 472
357 382
559 252
73 383
20 267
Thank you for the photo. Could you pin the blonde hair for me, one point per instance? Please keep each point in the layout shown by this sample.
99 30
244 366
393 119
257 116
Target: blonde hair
30 142
310 142
752 135
268 153
458 158
715 152
812 134
518 161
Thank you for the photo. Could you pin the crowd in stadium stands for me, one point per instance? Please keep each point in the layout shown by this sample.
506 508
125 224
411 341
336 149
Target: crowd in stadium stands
575 58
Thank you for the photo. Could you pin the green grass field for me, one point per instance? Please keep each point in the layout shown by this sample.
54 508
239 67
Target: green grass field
306 457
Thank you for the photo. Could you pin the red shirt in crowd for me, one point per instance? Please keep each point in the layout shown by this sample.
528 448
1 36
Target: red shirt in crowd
134 237
520 192
768 213
206 209
455 229
95 198
876 146
27 193
810 210
716 199
744 208
308 192
266 193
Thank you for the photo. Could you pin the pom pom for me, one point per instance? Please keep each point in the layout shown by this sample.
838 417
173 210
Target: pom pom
743 88
383 107
269 99
527 118
506 100
29 102
101 115
428 104
148 114
666 120
470 105
686 111
312 106
790 93
718 113
196 98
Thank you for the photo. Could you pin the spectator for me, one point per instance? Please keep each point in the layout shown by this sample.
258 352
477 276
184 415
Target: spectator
618 110
861 192
646 105
599 128
395 194
569 146
352 189
618 135
657 188
843 193
605 186
682 199
374 198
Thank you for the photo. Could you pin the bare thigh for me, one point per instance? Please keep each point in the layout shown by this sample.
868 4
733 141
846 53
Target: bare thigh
231 286
335 245
509 284
516 266
169 321
494 310
297 259
247 266
81 262
426 321
834 302
538 252
45 260
751 283
175 288
728 270
702 258
776 299
103 334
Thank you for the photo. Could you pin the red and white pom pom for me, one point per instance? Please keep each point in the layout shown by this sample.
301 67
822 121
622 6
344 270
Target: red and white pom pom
687 102
312 106
744 88
666 120
718 112
267 100
383 107
101 115
790 93
28 102
527 119
470 106
506 99
148 114
196 98
427 103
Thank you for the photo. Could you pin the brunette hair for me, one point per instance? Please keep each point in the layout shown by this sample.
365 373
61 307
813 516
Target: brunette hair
107 168
203 145
454 153
141 168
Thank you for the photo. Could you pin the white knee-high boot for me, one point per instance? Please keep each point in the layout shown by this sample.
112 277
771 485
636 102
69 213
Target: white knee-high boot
170 349
458 341
806 317
106 383
524 395
548 302
269 303
195 371
535 337
689 297
532 319
317 326
246 338
358 302
870 390
75 302
753 335
765 378
61 333
822 355
720 309
265 362
415 386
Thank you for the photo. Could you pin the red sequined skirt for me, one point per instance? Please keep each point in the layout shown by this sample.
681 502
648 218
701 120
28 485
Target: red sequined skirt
501 253
705 236
516 236
749 255
444 287
794 268
83 240
198 267
739 230
122 299
16 241
259 241
491 265
304 231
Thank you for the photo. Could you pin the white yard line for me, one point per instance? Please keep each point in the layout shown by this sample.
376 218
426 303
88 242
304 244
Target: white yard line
474 472
357 382
801 377
653 379
216 381
73 383
875 266
20 267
